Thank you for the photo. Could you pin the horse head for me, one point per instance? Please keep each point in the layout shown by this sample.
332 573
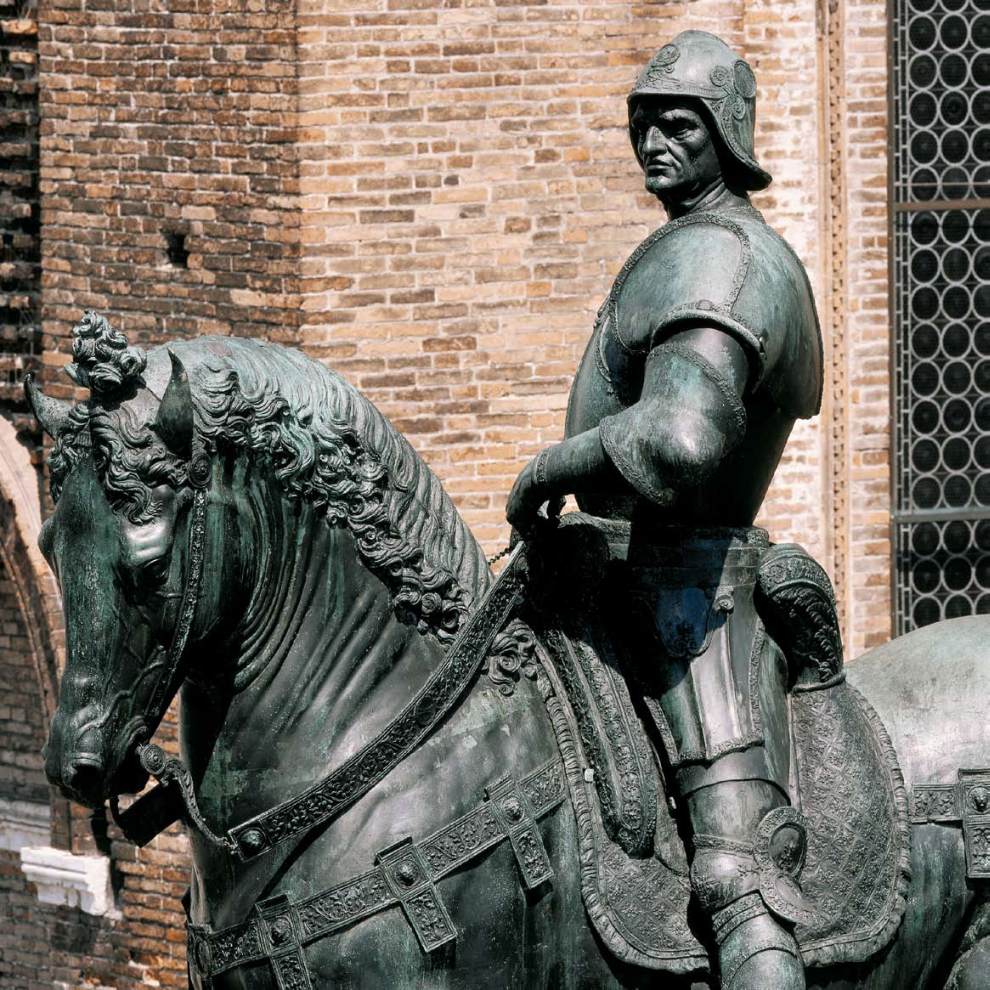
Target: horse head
131 482
200 491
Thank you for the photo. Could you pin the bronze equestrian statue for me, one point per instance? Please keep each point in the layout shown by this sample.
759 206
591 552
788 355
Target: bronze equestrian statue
633 759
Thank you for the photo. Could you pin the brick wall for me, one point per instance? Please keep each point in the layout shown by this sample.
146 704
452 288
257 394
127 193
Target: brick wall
868 369
20 253
22 727
167 128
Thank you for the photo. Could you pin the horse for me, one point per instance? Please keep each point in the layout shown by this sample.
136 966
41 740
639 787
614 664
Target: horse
236 524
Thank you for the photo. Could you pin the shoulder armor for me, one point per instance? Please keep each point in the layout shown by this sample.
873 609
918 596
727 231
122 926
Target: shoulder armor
731 271
671 273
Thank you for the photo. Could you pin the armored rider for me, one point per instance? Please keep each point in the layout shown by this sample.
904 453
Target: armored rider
703 356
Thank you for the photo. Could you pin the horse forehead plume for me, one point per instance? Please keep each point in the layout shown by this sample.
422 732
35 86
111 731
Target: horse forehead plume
103 360
326 443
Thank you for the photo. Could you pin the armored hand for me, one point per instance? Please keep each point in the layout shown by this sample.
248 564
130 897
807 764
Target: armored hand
577 464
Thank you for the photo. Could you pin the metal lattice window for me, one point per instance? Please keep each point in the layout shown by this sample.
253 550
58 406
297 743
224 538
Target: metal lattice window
940 143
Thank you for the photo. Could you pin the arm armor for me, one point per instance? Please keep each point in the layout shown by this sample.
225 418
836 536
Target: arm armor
689 418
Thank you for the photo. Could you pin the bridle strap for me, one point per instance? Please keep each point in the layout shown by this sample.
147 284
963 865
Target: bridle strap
155 811
166 685
420 717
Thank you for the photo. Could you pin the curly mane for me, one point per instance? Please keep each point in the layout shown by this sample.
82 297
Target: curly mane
331 447
326 443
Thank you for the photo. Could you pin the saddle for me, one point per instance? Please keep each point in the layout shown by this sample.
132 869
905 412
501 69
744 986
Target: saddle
634 867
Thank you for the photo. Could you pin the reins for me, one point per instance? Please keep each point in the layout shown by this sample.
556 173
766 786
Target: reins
155 811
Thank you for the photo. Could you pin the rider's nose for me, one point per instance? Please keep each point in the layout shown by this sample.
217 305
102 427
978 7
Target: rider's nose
653 141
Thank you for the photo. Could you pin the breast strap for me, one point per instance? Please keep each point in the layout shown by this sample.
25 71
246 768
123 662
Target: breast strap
371 764
405 874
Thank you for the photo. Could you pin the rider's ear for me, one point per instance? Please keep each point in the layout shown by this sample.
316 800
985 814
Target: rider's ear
174 422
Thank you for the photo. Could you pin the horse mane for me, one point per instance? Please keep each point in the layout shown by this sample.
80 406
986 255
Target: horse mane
327 444
332 447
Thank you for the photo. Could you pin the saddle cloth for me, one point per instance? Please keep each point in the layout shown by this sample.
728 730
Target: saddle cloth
634 869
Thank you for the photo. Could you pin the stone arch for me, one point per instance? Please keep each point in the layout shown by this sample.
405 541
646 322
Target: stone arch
34 585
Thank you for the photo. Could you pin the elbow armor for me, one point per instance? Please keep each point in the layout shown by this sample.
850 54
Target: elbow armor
670 441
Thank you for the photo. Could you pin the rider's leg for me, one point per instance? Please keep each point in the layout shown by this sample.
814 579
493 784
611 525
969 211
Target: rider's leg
756 950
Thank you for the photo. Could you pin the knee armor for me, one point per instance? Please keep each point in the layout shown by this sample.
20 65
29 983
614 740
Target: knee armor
723 870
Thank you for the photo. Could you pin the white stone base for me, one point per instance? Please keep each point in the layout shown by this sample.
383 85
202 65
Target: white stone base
24 823
66 879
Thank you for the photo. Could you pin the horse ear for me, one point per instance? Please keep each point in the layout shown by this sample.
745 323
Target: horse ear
52 414
174 422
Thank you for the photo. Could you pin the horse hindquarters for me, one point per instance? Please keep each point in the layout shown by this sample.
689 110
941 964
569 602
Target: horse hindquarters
930 689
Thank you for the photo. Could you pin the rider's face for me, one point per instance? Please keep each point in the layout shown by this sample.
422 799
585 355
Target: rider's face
675 146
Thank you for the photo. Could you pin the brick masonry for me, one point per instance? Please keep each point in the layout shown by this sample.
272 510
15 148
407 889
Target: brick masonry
20 247
433 198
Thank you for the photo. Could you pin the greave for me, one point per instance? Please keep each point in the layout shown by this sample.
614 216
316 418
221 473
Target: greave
755 951
746 884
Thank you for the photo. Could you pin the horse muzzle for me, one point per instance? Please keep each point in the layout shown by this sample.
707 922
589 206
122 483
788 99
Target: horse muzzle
80 763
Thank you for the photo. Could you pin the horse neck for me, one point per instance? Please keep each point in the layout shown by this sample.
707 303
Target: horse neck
317 667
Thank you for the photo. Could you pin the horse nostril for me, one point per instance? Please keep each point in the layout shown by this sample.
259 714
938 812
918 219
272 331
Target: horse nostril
83 777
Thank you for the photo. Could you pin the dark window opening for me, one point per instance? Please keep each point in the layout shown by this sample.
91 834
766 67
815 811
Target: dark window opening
175 248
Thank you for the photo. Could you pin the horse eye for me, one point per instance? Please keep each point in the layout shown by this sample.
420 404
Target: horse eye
154 571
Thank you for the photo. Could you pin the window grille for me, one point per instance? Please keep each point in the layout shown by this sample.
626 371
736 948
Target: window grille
940 254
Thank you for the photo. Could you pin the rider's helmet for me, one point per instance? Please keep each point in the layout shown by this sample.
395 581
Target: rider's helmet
699 65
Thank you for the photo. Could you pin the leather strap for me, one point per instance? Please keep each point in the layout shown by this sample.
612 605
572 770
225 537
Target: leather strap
358 775
966 802
405 872
166 685
153 812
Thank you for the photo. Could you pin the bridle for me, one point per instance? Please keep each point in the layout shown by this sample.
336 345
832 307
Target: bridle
153 810
175 796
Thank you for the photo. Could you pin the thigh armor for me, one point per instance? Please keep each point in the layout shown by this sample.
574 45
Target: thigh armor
714 681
